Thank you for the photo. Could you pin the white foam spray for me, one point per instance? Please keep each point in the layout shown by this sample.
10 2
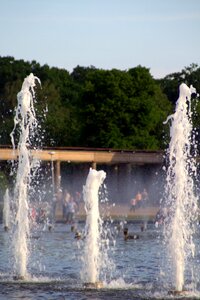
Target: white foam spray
181 200
92 255
26 122
6 210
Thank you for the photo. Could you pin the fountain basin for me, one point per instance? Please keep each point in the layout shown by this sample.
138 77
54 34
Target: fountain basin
178 293
93 285
18 277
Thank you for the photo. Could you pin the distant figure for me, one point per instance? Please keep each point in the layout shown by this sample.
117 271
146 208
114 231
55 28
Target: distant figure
78 235
73 227
133 203
50 227
77 199
66 200
161 216
143 226
145 197
138 198
128 236
71 209
32 214
42 215
119 227
6 228
136 201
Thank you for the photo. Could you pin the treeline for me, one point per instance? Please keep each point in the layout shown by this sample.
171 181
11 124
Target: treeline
91 107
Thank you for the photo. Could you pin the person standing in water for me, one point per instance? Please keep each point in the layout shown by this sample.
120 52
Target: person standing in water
66 200
71 208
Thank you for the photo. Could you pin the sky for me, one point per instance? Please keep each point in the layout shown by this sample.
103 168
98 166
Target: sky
162 35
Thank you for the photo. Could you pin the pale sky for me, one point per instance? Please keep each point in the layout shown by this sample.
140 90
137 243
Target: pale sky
162 35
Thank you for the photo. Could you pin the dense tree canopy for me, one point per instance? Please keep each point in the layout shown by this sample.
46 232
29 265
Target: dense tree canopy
122 109
170 86
94 107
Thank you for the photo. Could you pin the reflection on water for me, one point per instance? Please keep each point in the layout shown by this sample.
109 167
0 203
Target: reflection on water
55 267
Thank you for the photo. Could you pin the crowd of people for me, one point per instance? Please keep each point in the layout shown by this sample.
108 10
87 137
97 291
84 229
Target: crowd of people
70 203
45 212
40 213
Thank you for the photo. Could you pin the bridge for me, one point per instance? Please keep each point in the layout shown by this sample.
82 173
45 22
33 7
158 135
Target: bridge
87 155
119 159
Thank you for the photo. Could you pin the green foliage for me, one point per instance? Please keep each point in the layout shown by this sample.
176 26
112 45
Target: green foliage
94 107
56 95
170 86
122 109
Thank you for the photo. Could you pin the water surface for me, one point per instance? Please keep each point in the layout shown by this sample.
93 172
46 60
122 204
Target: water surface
55 266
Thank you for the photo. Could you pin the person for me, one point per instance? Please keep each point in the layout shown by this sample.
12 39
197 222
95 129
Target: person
128 236
32 214
161 215
71 209
145 196
42 215
77 199
133 203
136 201
143 226
78 235
6 228
138 198
65 204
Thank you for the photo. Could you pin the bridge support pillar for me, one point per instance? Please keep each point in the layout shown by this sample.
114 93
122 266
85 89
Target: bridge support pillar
57 178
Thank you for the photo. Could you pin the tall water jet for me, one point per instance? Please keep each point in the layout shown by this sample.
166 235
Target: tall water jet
181 201
6 210
26 123
92 256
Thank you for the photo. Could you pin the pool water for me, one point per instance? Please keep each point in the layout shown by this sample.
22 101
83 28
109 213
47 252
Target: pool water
136 269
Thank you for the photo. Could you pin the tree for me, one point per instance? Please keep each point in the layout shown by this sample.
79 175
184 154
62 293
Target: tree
170 83
170 86
122 109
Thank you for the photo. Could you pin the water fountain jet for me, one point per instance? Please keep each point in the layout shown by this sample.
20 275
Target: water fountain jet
26 122
181 200
92 255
